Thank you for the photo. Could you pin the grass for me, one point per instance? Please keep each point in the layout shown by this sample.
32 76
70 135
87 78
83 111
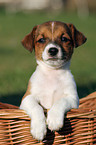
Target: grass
17 65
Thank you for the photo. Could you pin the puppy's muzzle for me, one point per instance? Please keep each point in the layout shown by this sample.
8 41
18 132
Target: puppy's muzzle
53 51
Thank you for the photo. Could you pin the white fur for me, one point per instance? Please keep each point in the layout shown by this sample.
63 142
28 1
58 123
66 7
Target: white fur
35 112
55 90
52 29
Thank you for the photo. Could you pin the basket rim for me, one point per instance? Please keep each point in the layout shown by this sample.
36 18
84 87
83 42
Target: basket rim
11 111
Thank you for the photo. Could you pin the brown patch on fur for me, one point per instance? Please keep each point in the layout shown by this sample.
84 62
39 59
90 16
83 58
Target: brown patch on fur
75 38
61 29
44 31
28 41
28 90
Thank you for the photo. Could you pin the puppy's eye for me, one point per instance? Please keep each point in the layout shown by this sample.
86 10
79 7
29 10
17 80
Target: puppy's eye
41 40
64 39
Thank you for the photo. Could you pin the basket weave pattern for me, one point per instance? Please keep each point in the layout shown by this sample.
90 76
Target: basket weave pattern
79 127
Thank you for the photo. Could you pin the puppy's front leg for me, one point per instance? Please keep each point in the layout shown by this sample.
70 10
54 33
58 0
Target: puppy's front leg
55 117
36 113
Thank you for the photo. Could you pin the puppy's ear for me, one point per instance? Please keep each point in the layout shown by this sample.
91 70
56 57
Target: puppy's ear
77 37
28 41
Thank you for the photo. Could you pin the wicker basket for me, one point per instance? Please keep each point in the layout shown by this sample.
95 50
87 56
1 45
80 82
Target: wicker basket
79 127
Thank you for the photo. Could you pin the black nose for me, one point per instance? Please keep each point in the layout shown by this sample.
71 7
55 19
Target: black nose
53 51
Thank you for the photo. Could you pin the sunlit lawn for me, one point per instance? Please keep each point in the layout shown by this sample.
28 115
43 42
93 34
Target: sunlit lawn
17 64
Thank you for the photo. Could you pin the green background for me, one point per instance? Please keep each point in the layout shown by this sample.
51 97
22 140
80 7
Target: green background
17 64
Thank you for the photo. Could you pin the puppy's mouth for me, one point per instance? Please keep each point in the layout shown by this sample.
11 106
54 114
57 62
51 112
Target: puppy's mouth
63 58
55 62
52 59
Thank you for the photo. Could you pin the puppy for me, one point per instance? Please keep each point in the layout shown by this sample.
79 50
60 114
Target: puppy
52 85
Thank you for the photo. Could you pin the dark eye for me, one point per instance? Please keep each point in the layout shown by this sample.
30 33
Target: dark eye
64 39
41 40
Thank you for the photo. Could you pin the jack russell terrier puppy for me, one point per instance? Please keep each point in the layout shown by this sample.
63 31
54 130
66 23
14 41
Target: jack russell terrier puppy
52 85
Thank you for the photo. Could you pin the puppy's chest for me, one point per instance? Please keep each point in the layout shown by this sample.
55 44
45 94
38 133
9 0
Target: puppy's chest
50 86
47 89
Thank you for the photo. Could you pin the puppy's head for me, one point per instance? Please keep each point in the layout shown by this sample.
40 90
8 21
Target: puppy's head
53 42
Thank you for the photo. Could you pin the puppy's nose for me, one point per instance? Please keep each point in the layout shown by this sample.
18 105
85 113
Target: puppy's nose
53 51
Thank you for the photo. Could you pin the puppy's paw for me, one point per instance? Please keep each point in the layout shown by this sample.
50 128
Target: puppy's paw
55 120
38 129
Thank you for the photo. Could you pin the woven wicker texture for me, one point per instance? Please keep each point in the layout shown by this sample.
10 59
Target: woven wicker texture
79 127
